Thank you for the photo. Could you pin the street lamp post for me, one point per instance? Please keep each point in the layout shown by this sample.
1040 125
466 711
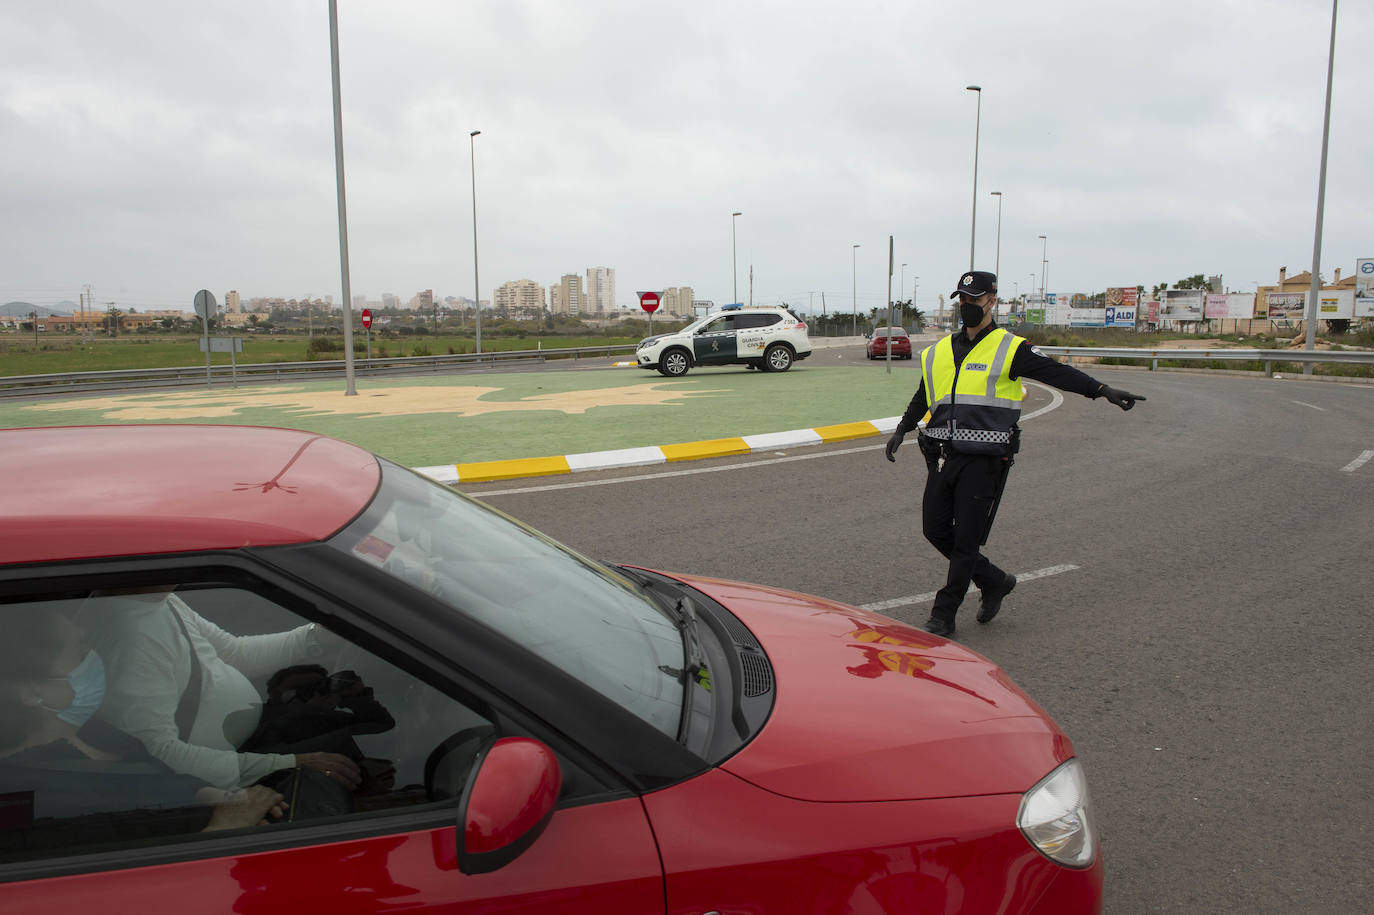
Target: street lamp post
350 387
854 289
734 261
1312 304
997 258
977 127
1044 243
477 283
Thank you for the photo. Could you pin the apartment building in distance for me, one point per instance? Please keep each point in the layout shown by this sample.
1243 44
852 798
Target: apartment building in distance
676 300
232 303
600 290
568 297
522 300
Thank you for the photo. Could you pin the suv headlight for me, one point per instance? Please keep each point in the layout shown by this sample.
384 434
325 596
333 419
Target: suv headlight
1056 817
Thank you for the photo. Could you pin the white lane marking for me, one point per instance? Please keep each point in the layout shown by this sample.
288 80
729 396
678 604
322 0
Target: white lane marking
1056 399
1358 462
1305 404
882 605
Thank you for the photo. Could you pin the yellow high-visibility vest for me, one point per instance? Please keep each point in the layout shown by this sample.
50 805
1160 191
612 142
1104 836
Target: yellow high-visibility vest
974 405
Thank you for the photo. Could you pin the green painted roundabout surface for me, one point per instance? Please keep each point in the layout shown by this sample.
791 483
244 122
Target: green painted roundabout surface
507 416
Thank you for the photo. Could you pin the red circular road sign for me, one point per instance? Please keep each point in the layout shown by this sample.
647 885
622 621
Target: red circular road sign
367 317
648 301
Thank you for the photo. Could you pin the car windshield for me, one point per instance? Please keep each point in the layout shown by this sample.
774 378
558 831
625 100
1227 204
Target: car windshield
575 613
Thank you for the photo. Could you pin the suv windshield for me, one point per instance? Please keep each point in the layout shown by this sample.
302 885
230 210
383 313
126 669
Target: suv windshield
588 620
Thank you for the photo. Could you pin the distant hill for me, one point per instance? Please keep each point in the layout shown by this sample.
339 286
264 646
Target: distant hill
24 309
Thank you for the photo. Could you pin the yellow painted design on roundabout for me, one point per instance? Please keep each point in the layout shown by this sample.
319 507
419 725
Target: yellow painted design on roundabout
388 401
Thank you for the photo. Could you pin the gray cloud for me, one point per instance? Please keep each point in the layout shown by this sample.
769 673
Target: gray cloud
155 148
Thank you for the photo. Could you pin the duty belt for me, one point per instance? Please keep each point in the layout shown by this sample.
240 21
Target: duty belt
942 433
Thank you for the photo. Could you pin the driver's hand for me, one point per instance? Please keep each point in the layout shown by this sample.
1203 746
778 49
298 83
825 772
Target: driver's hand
338 767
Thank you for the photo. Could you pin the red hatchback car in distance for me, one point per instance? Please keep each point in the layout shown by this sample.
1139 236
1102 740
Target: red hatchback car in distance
883 336
261 670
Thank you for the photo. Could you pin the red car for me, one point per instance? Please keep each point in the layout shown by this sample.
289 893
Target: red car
261 670
882 336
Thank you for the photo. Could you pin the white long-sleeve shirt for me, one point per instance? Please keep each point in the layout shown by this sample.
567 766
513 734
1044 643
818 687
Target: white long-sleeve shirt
148 667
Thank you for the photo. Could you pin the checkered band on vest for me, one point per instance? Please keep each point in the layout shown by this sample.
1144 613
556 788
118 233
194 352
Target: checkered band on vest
982 435
967 435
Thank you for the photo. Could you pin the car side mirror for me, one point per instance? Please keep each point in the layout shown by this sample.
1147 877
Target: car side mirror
507 803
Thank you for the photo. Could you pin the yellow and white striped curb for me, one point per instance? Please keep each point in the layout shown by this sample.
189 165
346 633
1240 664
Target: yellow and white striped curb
485 471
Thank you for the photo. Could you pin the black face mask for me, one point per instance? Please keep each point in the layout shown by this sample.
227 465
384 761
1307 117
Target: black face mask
971 314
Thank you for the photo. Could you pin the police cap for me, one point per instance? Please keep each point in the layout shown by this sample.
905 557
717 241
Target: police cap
976 283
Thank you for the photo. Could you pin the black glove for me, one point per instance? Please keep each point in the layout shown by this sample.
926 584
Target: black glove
1123 399
893 444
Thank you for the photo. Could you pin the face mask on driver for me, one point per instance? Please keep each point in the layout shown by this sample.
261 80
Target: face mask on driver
970 314
87 681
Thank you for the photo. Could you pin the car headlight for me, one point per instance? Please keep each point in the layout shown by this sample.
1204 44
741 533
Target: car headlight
1056 817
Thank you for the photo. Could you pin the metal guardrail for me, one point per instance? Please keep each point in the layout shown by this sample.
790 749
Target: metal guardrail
1266 356
124 379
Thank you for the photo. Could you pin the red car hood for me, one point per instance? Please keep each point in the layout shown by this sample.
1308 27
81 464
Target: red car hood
869 709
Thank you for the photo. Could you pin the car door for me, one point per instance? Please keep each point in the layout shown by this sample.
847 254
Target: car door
756 332
74 834
714 343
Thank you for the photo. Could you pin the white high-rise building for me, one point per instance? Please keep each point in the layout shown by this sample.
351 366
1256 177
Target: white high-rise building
600 291
520 299
676 300
232 304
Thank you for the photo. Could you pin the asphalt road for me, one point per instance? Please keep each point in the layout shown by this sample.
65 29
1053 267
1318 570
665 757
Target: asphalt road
1208 653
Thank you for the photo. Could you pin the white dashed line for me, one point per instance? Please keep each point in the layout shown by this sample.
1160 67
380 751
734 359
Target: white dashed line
1358 462
884 605
1305 404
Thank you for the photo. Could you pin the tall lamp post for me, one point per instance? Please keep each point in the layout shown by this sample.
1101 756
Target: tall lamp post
350 388
977 127
997 258
734 261
902 288
854 289
477 292
1044 243
1312 303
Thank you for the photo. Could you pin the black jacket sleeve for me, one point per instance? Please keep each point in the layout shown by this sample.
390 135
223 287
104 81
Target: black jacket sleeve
1027 363
915 411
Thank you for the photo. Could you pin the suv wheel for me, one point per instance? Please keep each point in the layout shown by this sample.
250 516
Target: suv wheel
674 363
778 358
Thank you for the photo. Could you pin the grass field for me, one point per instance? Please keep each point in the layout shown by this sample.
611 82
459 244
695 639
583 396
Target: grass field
461 418
66 353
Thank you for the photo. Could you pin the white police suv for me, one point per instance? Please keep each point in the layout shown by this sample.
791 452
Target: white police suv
762 337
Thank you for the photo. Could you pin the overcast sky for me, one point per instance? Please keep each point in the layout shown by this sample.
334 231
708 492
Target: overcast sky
152 148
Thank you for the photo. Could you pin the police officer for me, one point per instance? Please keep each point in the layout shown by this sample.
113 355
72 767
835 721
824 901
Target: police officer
971 384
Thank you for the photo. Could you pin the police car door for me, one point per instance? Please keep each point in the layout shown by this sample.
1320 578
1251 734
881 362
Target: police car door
756 331
714 343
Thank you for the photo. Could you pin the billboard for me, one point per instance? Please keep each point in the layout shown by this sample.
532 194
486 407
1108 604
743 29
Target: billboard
1182 304
1286 306
1335 303
1152 312
1234 305
1364 287
1121 306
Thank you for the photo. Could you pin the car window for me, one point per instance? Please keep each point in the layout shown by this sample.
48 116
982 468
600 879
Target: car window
589 621
763 319
719 325
168 713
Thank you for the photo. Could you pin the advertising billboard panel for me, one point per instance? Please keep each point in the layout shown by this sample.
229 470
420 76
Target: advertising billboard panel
1182 305
1286 306
1232 305
1364 287
1335 303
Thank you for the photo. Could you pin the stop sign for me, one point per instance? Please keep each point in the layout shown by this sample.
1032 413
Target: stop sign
367 317
648 301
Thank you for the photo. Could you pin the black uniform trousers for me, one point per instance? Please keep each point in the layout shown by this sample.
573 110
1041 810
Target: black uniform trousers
954 518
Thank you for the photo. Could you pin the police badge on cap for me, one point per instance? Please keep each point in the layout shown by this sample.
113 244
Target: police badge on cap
976 283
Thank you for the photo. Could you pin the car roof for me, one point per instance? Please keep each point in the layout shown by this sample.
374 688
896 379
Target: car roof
81 492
